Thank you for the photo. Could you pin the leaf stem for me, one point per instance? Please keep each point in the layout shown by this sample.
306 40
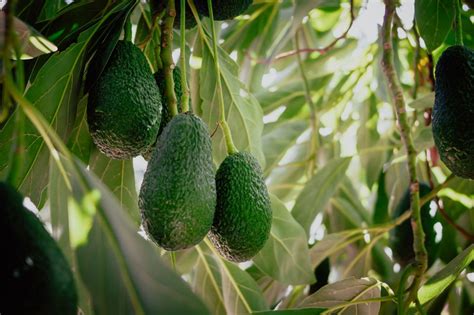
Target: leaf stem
458 23
421 256
182 59
231 149
128 29
167 57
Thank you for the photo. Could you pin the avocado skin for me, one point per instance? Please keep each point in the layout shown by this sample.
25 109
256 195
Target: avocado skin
243 213
453 111
178 195
35 277
223 9
124 110
401 237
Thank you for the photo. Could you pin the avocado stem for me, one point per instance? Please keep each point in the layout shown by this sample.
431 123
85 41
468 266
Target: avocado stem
457 25
182 59
128 29
421 256
231 149
167 57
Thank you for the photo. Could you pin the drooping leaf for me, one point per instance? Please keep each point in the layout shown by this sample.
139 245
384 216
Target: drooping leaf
285 256
318 190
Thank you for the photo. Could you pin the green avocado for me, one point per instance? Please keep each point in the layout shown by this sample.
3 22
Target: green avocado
243 213
453 111
178 194
223 9
35 277
401 237
124 110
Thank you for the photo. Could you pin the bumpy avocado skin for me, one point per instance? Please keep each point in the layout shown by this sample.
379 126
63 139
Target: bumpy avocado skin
243 213
35 278
178 194
223 9
124 110
453 111
401 237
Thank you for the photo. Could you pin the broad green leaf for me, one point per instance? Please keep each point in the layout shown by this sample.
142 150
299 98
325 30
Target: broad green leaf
243 113
434 19
241 294
184 260
119 177
424 102
278 138
117 264
207 282
333 243
80 141
347 290
301 311
318 190
285 256
443 278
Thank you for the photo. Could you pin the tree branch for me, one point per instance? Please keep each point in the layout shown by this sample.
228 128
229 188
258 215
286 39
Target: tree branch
167 57
421 256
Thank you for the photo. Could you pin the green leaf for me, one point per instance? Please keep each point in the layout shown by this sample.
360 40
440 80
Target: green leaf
243 113
241 294
117 264
119 177
80 141
424 102
333 243
301 311
278 138
285 256
443 278
434 19
207 281
318 190
348 290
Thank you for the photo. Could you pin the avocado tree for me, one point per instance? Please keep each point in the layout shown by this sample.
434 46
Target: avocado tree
237 157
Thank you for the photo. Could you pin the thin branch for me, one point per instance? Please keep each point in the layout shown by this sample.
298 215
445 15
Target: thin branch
421 256
167 58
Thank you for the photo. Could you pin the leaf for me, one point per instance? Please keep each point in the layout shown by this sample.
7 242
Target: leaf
278 138
424 102
80 141
207 281
318 190
241 294
347 290
243 113
117 264
434 19
443 278
301 311
285 256
119 177
333 243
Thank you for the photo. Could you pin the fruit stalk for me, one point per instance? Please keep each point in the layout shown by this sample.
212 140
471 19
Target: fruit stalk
421 257
182 59
167 57
458 23
223 123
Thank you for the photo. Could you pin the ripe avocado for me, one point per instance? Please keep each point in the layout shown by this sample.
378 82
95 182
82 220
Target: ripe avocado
453 111
35 278
243 213
124 110
178 194
223 9
401 237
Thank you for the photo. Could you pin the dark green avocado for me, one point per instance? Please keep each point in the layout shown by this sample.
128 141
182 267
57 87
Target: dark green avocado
35 277
243 213
223 9
124 110
178 194
453 111
401 237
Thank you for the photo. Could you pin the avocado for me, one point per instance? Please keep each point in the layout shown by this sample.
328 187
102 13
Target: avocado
178 195
165 114
35 277
401 237
453 111
243 213
223 9
124 109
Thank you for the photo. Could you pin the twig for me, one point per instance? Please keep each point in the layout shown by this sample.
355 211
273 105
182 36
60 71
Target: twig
421 256
167 58
458 23
182 59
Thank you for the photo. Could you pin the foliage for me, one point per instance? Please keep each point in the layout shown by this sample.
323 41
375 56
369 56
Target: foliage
303 95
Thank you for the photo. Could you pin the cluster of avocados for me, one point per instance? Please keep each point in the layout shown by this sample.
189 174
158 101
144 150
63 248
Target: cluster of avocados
453 111
35 277
182 198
